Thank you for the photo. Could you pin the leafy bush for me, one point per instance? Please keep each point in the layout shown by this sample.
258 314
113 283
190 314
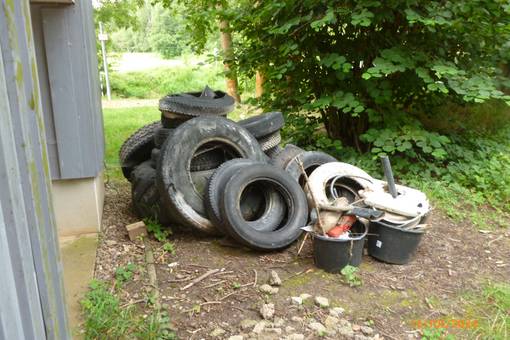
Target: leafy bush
156 83
363 64
464 173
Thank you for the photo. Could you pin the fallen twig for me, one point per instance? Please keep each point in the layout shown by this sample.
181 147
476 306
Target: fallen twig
496 239
151 270
214 284
200 278
132 303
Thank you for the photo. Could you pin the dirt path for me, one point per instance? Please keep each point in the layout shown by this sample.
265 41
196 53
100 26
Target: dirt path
452 259
128 102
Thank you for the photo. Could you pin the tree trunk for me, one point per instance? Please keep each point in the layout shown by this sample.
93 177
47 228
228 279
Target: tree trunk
259 84
231 76
346 128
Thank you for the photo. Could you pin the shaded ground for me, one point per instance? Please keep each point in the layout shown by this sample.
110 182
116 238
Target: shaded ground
452 259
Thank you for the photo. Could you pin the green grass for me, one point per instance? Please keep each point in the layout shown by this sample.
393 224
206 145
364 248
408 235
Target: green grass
119 124
155 83
491 308
106 318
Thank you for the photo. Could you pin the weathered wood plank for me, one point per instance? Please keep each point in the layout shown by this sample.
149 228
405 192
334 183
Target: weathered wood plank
30 260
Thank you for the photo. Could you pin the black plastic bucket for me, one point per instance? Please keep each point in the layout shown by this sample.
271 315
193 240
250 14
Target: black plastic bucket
333 254
391 244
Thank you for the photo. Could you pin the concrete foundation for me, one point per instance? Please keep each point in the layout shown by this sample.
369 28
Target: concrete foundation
78 205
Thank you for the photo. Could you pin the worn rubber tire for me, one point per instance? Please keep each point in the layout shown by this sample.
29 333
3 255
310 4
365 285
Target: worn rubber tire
263 125
173 177
205 161
137 148
191 104
270 141
286 155
155 157
144 194
311 161
273 211
273 151
161 135
293 196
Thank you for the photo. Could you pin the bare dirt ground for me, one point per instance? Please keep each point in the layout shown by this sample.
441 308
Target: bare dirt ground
452 260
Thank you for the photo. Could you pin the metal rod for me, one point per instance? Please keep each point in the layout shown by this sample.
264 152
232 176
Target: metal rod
105 62
388 173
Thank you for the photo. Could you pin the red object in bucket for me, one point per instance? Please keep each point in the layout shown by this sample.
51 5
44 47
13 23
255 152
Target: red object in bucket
343 225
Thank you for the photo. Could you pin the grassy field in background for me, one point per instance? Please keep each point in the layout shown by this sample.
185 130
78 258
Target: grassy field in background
157 82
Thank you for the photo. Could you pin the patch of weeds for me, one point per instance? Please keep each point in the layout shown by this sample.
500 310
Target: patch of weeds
156 326
350 276
125 273
169 247
106 318
160 233
436 334
492 308
236 285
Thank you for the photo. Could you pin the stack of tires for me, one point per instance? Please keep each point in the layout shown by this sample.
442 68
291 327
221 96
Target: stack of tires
197 169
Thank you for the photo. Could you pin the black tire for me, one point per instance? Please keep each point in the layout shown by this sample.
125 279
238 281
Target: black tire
263 125
192 104
161 135
286 155
137 148
174 182
262 212
144 194
155 157
205 161
292 194
271 153
311 161
270 141
173 121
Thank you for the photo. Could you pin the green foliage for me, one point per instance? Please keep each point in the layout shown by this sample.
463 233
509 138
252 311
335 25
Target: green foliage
490 308
125 273
362 64
436 334
169 247
464 172
156 83
160 233
350 276
106 318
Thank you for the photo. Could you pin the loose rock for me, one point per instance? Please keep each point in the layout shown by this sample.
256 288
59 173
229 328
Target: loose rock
346 331
321 302
296 336
367 330
318 327
274 279
236 337
247 323
336 312
356 328
265 288
267 311
217 332
296 300
259 327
